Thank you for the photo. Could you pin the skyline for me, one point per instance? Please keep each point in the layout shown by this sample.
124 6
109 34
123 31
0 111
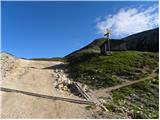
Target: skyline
55 29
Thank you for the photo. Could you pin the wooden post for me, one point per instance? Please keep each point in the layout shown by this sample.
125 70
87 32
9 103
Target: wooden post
108 42
109 49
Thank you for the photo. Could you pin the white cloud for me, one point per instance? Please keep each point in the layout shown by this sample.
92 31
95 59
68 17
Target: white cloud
128 21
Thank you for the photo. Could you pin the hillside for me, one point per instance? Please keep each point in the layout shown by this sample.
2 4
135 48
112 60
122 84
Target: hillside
143 41
136 64
101 73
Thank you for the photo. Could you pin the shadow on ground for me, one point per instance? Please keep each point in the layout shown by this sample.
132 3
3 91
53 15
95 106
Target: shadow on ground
54 67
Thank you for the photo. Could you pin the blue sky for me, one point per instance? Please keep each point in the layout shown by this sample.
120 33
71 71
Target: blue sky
54 29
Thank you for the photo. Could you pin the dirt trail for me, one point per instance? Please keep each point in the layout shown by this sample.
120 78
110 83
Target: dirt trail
26 84
103 92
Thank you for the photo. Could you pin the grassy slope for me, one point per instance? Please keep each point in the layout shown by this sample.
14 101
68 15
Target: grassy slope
140 100
98 71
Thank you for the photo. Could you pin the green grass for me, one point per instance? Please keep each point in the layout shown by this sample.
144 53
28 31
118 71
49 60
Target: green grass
50 59
140 100
97 70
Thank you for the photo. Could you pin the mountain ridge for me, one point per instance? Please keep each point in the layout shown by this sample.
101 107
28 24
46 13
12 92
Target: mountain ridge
141 41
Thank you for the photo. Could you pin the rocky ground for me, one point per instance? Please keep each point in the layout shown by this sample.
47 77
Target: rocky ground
42 77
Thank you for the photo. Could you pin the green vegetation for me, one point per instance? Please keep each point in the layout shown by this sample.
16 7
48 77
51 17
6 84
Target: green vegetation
98 71
50 59
137 101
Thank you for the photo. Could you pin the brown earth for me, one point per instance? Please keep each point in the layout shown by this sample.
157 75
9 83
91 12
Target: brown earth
39 77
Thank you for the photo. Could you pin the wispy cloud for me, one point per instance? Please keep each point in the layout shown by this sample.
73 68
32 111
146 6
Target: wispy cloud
128 21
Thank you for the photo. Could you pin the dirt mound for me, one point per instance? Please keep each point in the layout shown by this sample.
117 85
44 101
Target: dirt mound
7 62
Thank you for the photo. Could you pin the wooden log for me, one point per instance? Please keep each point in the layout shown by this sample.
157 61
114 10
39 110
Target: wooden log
79 101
